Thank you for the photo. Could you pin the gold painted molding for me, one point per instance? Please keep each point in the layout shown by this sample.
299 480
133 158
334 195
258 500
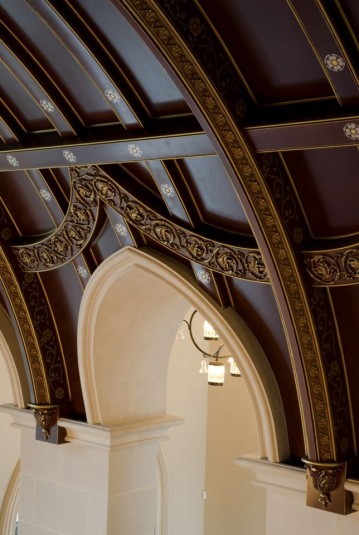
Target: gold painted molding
333 267
26 328
90 186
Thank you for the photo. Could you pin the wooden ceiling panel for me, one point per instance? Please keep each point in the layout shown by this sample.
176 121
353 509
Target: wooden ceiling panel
350 13
64 291
57 62
270 49
106 244
327 184
141 174
147 75
28 112
345 302
217 201
256 304
25 204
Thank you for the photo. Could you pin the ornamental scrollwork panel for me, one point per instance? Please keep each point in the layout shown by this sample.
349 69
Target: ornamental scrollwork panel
90 186
333 267
219 257
71 237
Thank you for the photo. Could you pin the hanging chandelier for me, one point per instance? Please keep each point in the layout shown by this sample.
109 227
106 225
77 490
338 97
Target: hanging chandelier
215 368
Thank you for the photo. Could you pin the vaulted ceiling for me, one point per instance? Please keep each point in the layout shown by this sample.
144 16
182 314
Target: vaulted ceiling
223 134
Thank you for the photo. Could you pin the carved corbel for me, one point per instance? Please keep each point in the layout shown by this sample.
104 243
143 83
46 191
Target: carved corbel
325 487
47 429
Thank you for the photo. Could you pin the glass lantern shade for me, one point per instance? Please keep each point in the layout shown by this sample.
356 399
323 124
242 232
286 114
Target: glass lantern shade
234 370
216 373
204 367
208 332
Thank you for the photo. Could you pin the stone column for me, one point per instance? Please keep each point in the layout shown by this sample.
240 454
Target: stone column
103 481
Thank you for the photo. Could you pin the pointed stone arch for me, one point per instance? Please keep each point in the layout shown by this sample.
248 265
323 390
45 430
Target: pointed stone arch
129 316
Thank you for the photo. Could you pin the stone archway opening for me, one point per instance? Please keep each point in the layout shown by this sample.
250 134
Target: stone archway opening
128 320
129 317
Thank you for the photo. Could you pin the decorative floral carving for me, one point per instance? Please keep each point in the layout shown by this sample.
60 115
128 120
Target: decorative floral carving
82 271
351 130
36 324
195 26
46 416
334 62
332 361
42 321
112 96
71 237
12 160
45 194
333 267
47 106
325 479
121 229
228 260
88 187
134 150
167 190
203 276
284 197
69 156
202 40
23 317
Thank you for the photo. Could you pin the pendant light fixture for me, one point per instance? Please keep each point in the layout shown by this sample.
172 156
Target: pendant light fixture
215 367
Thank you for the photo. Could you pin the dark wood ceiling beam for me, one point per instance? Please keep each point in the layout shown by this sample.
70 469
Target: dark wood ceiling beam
62 25
169 192
38 82
329 48
103 147
11 119
324 133
111 67
6 133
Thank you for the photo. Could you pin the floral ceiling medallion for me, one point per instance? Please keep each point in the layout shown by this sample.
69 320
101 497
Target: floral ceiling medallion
12 160
167 190
69 156
47 106
203 276
112 95
334 63
134 150
351 130
121 229
45 194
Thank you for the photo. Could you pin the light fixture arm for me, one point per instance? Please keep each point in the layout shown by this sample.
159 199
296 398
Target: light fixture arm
215 355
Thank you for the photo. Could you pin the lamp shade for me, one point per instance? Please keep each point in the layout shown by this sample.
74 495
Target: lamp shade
208 332
216 373
234 370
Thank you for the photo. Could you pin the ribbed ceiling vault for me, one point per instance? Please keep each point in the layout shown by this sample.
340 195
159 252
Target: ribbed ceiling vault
224 135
